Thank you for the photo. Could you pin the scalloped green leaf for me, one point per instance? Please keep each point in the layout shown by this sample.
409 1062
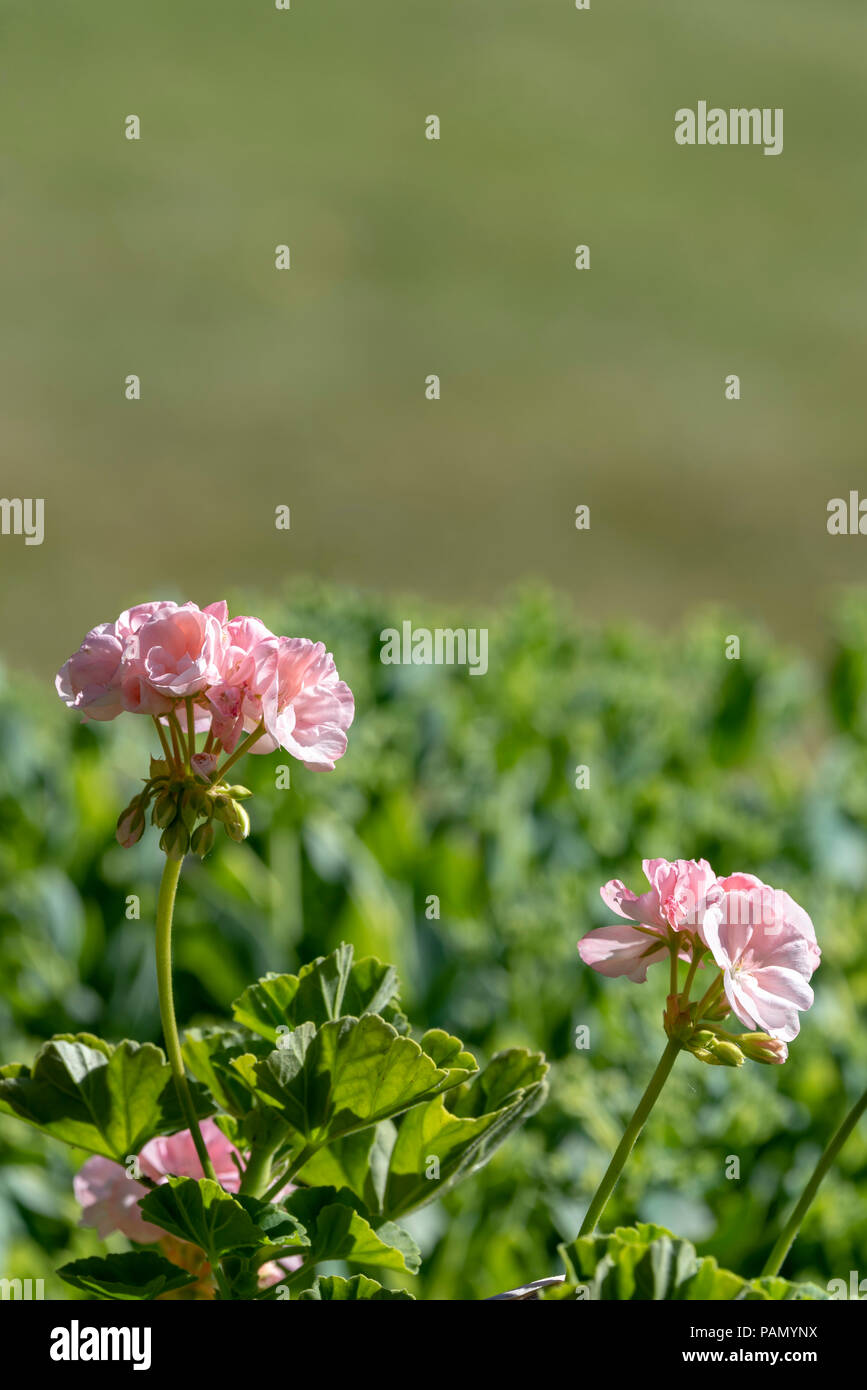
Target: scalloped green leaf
97 1096
332 1289
349 1074
323 991
208 1053
135 1276
435 1148
358 1161
649 1262
339 1229
449 1055
198 1210
773 1288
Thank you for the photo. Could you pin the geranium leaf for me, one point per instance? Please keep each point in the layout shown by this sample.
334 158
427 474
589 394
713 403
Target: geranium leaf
321 992
779 1290
199 1211
330 1288
107 1099
648 1262
137 1275
347 1075
208 1053
434 1148
339 1229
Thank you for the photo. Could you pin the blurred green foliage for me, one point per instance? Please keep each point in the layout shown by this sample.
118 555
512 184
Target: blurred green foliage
464 788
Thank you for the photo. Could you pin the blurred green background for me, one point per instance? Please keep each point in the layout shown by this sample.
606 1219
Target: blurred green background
306 388
464 787
412 257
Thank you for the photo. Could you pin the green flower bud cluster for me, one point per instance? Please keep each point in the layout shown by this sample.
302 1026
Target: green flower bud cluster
185 808
708 1047
710 1043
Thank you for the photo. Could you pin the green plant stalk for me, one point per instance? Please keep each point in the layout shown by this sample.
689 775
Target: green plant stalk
257 1174
709 997
697 954
165 911
633 1129
239 752
174 730
163 740
220 1277
286 1177
179 741
191 727
787 1238
297 1276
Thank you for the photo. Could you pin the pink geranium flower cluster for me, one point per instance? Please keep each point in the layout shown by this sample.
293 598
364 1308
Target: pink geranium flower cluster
109 1195
762 941
238 675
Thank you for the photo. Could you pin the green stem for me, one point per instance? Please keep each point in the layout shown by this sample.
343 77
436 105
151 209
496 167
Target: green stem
191 727
697 954
633 1129
257 1173
221 1280
165 911
709 996
239 752
288 1174
297 1276
793 1225
178 739
174 730
163 740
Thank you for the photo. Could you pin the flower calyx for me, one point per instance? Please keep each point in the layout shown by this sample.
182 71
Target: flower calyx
185 807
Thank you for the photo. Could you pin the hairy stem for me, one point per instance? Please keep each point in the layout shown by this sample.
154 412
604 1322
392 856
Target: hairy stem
793 1225
163 740
633 1129
709 997
239 752
288 1173
257 1173
191 727
697 954
165 912
178 740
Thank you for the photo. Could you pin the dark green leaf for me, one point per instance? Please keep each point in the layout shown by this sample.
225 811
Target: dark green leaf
199 1211
108 1099
138 1275
337 1225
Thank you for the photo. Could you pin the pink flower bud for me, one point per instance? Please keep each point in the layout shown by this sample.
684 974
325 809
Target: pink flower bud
130 825
759 1047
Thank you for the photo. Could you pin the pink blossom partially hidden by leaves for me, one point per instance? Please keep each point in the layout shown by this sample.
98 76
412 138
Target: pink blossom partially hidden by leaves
109 1196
